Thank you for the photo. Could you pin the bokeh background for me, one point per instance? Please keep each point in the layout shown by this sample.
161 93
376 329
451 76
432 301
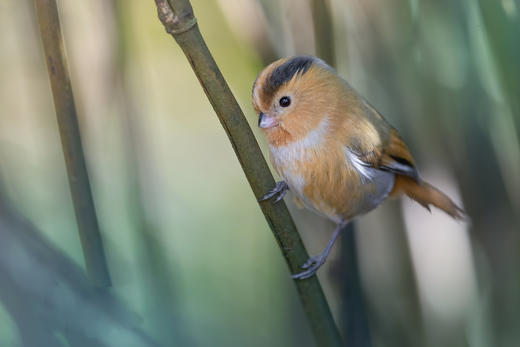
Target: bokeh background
192 260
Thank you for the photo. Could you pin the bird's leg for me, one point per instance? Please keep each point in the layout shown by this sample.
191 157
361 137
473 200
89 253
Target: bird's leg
279 189
314 263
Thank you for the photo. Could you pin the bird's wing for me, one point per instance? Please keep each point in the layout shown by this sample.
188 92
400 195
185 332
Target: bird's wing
393 156
390 153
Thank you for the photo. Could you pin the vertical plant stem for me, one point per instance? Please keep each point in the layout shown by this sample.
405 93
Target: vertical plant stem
346 273
323 31
179 20
57 67
356 329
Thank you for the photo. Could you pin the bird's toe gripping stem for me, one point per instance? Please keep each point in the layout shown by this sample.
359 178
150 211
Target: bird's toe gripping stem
279 189
311 266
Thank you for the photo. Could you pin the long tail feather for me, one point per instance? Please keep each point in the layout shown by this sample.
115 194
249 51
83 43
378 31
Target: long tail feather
426 195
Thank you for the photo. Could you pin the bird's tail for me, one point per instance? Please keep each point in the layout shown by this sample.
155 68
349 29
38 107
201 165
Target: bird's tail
426 195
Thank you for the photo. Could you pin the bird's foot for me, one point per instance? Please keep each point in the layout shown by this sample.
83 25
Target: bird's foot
314 263
279 189
311 266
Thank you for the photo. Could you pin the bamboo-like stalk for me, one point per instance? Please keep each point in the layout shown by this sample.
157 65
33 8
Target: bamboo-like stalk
353 313
356 329
179 20
323 31
59 76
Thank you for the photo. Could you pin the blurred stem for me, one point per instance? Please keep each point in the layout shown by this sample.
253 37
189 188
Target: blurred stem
346 274
355 325
59 76
157 282
323 31
503 29
179 20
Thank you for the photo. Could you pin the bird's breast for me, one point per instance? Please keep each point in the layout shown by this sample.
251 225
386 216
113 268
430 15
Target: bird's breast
322 174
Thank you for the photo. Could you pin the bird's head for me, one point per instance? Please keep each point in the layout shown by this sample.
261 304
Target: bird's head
292 95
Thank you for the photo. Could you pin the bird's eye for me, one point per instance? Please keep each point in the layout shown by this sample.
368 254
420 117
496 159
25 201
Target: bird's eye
285 101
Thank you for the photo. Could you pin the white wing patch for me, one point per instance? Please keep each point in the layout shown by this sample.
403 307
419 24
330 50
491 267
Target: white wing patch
382 181
366 172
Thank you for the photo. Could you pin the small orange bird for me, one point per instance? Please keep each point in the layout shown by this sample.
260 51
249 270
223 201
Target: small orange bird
334 151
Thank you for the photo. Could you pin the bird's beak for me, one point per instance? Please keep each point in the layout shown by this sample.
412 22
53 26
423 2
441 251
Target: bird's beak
265 121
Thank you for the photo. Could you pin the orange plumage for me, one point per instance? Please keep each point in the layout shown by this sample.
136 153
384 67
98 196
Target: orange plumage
334 151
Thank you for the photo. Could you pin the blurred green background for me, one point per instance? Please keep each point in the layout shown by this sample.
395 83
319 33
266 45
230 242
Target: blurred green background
192 259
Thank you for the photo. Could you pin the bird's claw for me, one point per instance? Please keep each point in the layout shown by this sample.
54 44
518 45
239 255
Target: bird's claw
279 189
310 261
310 266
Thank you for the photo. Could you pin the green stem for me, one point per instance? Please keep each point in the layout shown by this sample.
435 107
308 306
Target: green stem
323 31
59 76
179 20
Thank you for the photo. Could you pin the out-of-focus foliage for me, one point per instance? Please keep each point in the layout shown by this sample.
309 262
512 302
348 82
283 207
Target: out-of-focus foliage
192 260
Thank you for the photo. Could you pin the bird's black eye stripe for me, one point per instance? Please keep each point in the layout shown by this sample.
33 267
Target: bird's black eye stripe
285 101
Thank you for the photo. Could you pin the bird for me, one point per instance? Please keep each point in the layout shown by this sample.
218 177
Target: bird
333 150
